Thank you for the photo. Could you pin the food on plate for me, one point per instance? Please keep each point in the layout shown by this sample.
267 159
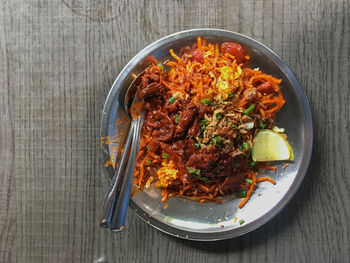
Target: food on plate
209 119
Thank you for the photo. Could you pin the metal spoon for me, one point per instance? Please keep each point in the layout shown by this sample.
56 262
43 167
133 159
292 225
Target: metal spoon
116 204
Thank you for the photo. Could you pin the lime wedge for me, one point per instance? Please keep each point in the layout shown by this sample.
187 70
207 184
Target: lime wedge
271 146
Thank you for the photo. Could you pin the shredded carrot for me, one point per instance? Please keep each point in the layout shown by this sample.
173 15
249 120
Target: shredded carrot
268 167
266 178
245 200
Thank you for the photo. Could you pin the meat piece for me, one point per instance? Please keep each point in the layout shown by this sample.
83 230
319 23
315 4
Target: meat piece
161 125
178 161
232 182
204 109
153 89
173 107
187 117
154 146
265 88
235 50
202 161
185 50
194 128
250 93
197 55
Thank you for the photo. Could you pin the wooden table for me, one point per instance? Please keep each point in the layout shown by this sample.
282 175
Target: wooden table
58 60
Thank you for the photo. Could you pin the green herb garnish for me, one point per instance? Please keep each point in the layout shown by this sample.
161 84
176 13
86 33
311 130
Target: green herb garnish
207 101
262 125
197 146
241 193
161 66
216 140
249 181
218 116
203 125
250 108
191 170
148 163
172 100
241 221
246 145
251 164
178 118
231 95
165 155
234 126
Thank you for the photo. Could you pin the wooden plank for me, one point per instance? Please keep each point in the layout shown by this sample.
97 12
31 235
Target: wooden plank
7 151
58 60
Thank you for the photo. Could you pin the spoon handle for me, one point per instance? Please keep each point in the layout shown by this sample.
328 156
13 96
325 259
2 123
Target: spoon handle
110 202
118 217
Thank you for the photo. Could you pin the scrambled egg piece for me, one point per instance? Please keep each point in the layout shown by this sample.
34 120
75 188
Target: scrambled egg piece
226 79
167 173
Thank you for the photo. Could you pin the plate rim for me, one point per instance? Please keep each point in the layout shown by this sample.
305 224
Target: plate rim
308 132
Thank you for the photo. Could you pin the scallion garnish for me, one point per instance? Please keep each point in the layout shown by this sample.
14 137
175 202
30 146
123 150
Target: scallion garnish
197 146
178 118
218 116
161 66
246 145
241 221
206 101
250 108
262 125
165 155
172 100
249 181
241 193
231 95
148 163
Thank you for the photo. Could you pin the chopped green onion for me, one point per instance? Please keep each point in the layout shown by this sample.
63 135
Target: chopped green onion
249 181
246 145
159 185
165 155
251 164
203 124
178 118
197 145
148 163
241 193
216 140
191 170
172 100
195 199
218 116
161 66
147 147
250 108
234 127
206 101
223 100
262 125
241 221
231 95
204 179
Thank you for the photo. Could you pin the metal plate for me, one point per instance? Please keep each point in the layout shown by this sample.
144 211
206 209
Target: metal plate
212 221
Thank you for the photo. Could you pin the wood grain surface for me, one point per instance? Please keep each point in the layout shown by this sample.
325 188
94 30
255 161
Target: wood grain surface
58 60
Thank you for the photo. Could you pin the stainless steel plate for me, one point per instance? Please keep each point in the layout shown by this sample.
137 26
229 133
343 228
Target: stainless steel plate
211 221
